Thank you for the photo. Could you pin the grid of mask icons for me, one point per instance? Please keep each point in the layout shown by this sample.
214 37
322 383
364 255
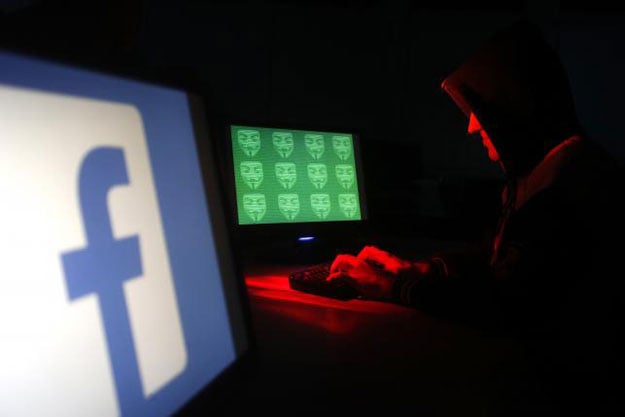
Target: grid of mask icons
286 176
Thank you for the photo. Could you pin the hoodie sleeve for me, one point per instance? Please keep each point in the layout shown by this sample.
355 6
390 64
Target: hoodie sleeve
522 286
452 285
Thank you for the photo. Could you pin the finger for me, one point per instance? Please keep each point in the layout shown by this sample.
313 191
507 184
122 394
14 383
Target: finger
334 275
341 262
366 253
374 254
338 260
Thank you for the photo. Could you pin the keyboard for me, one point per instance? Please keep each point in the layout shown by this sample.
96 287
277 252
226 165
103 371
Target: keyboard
312 280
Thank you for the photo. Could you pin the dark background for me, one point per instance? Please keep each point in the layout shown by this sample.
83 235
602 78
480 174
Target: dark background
366 65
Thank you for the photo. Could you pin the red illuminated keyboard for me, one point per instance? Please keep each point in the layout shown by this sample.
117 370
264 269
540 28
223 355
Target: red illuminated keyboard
313 280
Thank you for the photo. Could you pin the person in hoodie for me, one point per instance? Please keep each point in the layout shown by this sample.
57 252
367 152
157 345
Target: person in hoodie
550 271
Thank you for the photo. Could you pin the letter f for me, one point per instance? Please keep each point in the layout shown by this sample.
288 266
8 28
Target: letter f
104 265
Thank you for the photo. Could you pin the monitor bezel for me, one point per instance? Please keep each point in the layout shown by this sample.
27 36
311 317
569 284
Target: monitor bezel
219 394
255 239
215 395
212 396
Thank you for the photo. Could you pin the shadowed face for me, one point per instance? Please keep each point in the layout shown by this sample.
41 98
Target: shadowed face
476 128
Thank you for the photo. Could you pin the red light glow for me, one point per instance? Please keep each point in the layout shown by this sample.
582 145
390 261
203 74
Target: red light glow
272 293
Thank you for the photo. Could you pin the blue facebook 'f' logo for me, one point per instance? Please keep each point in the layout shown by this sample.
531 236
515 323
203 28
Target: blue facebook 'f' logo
104 265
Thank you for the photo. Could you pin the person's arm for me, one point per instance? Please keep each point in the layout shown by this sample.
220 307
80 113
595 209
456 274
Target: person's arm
523 287
451 283
378 274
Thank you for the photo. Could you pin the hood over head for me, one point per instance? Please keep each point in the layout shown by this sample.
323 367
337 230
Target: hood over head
519 91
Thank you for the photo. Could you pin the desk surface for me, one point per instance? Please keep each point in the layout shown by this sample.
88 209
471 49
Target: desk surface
321 356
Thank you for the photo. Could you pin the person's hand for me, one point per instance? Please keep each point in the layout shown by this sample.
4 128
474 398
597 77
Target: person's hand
370 281
373 271
393 264
384 260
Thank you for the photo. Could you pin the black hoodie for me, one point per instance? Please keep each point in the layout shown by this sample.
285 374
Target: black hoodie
550 276
519 92
557 244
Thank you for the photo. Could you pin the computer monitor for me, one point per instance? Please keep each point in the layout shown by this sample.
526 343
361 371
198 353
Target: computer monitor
294 188
119 292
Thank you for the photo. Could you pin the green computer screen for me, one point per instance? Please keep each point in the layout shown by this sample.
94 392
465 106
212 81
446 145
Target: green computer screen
294 176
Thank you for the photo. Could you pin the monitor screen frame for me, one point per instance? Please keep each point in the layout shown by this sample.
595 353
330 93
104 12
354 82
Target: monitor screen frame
211 397
218 395
326 237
